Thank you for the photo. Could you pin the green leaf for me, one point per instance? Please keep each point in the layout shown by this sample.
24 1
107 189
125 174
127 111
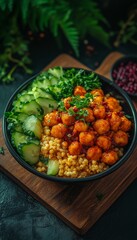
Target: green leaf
25 9
70 32
98 33
10 5
3 4
88 18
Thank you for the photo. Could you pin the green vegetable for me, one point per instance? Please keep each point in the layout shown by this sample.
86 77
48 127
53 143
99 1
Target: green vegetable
57 72
71 78
23 97
32 126
17 138
30 105
42 81
38 92
30 152
47 104
29 108
53 167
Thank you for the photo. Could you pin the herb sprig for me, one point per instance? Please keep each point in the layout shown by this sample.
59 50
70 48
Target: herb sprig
77 105
81 102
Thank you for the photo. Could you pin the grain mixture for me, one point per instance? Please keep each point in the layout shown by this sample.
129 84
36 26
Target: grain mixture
84 141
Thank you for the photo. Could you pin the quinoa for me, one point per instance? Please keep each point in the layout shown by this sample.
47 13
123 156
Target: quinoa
72 166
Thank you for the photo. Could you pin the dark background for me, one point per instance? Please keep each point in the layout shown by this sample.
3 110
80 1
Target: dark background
22 217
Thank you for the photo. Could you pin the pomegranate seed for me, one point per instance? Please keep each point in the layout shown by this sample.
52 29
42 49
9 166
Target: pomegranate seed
125 76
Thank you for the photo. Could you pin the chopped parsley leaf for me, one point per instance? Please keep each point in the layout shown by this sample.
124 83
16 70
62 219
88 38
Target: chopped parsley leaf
81 102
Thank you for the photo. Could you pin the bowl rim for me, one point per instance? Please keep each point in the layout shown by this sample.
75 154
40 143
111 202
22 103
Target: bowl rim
28 167
117 62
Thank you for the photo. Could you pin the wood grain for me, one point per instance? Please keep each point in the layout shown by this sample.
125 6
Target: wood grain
76 204
106 65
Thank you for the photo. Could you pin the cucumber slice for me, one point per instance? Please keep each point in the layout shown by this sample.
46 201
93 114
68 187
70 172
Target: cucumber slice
47 104
41 81
18 128
53 80
56 72
40 93
17 138
13 122
53 167
21 117
31 108
15 127
23 98
33 140
32 126
30 152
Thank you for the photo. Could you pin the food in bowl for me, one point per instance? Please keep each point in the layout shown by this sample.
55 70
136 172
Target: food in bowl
65 125
124 73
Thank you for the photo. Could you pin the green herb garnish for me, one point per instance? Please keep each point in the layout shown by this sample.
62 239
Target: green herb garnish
61 106
81 102
71 112
44 159
71 78
2 150
78 103
81 113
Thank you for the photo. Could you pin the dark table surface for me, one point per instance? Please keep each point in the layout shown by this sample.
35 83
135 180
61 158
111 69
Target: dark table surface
21 216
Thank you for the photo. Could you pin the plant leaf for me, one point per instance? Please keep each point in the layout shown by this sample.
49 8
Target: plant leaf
70 32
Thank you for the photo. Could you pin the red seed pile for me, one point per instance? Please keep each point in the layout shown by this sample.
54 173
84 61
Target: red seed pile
125 75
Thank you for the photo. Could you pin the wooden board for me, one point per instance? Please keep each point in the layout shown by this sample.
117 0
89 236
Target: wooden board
78 205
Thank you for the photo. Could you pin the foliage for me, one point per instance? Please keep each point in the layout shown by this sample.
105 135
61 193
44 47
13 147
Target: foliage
89 19
14 49
128 29
73 19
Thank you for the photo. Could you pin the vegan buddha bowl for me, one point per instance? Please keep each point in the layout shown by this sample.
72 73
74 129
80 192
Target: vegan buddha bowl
70 125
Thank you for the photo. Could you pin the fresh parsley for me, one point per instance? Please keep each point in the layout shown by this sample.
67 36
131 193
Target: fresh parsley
61 106
81 102
71 112
77 105
71 78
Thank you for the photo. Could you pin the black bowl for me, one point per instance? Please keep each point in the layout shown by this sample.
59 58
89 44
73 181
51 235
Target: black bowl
108 87
124 60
